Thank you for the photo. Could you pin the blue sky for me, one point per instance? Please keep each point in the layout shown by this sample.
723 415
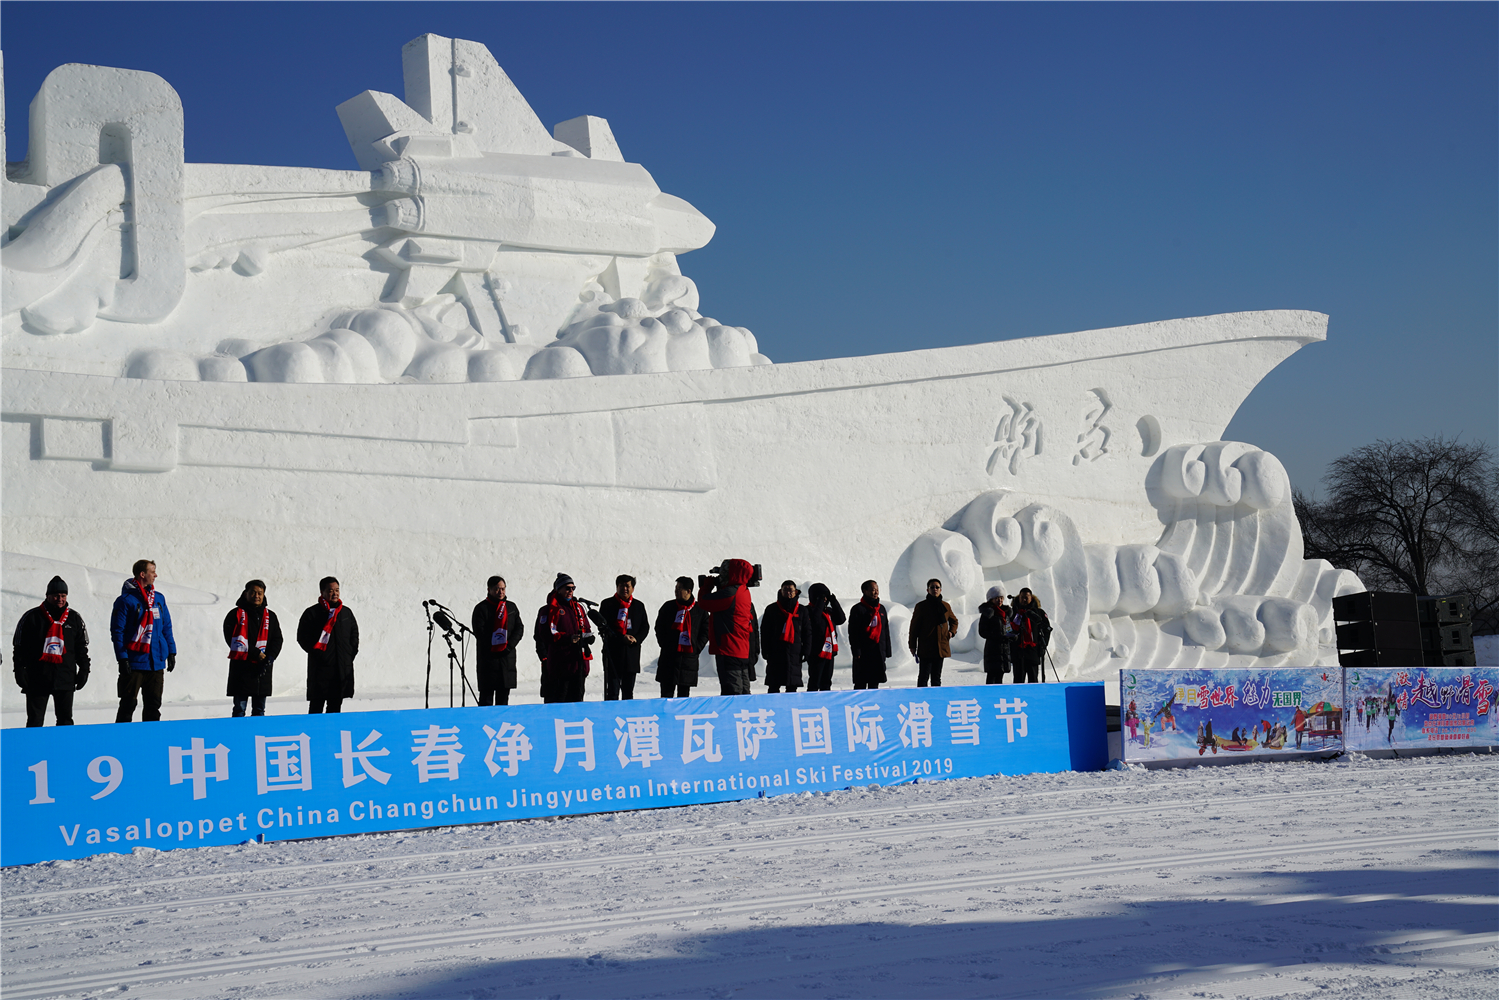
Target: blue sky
889 177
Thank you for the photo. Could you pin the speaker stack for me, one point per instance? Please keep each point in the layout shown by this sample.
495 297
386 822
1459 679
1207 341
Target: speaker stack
1378 629
1446 631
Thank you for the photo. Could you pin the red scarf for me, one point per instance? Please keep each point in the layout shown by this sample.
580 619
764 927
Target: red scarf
623 618
239 646
876 622
142 641
829 640
322 640
684 625
788 634
1028 633
53 645
580 617
499 640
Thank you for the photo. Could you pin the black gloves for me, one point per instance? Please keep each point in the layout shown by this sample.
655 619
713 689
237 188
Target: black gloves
171 662
82 679
124 668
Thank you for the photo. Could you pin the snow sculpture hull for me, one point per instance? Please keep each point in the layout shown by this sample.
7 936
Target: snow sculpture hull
818 470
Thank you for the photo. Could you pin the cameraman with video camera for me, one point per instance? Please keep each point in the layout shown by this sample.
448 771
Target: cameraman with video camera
733 640
563 638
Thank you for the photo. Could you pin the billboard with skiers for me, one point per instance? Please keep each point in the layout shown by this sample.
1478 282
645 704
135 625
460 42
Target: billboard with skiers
1221 714
1421 707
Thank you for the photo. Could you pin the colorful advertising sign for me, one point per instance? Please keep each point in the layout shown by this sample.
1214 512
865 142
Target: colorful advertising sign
1221 714
77 790
1421 707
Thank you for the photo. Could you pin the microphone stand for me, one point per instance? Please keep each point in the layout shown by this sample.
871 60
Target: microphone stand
465 687
427 692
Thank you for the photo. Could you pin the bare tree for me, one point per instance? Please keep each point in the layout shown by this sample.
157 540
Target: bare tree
1420 516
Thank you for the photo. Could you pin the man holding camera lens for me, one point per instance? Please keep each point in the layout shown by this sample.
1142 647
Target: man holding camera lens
733 640
563 638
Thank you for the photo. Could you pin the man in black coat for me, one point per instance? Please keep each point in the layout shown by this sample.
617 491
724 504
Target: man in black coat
330 635
681 632
498 629
824 615
49 655
869 638
253 633
623 623
781 640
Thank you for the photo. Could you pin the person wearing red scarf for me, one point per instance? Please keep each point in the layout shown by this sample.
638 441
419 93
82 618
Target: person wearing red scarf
623 623
869 638
329 634
824 615
1032 634
253 633
681 632
498 630
49 654
995 630
563 641
140 628
782 639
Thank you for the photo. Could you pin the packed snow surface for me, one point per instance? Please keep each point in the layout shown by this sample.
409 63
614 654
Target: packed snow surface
1355 877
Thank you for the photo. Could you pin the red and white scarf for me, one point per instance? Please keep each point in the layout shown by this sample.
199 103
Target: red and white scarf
684 624
788 631
580 619
322 640
876 621
623 618
53 645
147 625
829 640
499 640
239 645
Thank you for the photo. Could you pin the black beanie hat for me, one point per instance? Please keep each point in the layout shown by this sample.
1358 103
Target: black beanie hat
57 585
562 580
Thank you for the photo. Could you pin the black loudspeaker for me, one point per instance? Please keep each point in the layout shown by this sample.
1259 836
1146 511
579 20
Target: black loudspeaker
1461 658
1453 609
1447 639
1382 658
1379 635
1375 606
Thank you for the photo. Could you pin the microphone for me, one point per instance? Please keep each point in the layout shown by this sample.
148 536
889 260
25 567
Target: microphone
443 621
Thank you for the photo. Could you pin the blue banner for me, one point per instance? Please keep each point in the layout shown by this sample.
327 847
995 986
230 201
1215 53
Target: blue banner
73 791
1421 707
1221 714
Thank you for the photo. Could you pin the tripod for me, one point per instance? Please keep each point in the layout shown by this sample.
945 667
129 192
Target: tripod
444 619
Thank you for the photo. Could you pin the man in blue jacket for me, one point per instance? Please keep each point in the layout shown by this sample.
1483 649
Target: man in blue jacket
141 628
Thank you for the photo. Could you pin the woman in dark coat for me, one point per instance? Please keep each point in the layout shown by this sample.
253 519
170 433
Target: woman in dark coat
682 632
253 633
1032 633
781 639
824 615
994 628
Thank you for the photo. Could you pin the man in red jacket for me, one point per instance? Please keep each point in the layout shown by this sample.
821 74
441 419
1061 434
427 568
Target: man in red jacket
733 638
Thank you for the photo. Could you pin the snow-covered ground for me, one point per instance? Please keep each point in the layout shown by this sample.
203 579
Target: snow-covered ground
1356 877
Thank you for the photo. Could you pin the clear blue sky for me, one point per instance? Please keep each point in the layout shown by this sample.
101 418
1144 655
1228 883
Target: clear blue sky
888 177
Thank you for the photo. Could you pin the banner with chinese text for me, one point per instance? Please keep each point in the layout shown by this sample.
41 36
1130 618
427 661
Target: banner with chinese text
73 791
1221 714
1420 707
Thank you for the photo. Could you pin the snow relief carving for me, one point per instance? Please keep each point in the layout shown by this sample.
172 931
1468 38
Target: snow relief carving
1017 438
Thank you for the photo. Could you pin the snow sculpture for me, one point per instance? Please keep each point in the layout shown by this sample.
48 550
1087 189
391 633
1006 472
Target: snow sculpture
386 374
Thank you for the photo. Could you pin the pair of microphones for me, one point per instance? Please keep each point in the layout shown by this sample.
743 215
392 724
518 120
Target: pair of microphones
442 617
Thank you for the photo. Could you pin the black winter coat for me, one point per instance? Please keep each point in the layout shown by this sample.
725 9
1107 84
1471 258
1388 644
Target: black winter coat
783 659
993 626
678 666
252 677
330 672
496 671
37 676
869 656
560 656
620 656
817 630
1039 629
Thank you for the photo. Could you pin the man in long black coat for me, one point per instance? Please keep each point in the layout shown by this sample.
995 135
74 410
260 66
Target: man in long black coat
330 636
824 615
49 654
623 624
498 630
253 633
781 640
869 638
681 632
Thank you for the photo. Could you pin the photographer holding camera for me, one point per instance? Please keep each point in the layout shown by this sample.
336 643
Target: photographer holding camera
733 640
563 638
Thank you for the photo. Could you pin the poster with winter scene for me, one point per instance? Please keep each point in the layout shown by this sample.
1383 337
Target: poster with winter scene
1220 714
1421 707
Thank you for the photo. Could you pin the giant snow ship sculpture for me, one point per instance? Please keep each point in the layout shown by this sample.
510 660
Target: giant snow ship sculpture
478 354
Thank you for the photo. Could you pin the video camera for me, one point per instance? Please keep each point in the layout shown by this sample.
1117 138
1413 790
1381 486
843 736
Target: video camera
712 578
